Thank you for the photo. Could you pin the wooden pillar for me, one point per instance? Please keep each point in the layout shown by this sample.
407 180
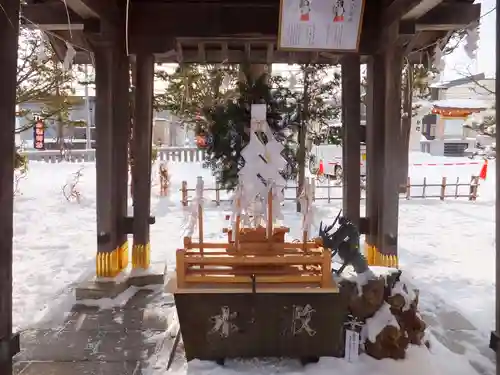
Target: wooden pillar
141 171
121 126
9 32
403 158
351 122
496 335
375 121
107 263
392 137
386 250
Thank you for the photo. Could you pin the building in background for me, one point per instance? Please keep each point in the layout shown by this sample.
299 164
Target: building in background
447 135
442 121
167 130
74 136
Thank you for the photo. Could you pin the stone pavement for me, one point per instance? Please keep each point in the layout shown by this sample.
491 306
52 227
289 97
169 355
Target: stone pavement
124 340
133 339
460 336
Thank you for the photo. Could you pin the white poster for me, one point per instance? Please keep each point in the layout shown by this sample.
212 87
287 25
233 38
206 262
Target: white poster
351 345
320 24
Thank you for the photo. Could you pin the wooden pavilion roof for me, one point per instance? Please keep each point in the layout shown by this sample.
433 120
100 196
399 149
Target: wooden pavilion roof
236 31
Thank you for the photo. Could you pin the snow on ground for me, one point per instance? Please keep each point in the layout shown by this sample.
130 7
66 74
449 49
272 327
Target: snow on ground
419 361
446 247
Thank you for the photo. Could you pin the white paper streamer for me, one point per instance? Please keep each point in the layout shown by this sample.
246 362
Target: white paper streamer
306 207
42 51
438 60
192 220
471 43
226 81
292 83
263 162
237 211
70 55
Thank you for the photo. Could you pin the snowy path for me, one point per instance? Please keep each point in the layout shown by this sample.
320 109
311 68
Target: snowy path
446 247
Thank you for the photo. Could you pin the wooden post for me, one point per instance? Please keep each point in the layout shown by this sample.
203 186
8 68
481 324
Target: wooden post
408 188
131 125
406 123
9 32
424 187
107 263
237 226
270 215
326 268
374 152
328 187
200 216
474 183
351 119
184 193
180 267
121 126
495 336
443 189
456 187
141 172
389 213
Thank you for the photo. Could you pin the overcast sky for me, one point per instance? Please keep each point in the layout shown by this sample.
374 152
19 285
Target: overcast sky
458 64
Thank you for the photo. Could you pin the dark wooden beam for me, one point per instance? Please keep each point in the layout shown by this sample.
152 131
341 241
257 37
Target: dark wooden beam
202 20
446 17
152 23
396 11
9 33
351 120
389 210
256 55
49 13
121 126
375 120
106 10
152 26
105 187
141 166
53 17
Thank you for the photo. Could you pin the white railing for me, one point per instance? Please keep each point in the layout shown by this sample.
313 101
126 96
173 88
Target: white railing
173 154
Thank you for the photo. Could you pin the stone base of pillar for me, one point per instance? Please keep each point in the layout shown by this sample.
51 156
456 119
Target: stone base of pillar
375 257
99 287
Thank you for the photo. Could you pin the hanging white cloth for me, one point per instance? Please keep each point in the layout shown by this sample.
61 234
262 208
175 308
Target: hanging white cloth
193 212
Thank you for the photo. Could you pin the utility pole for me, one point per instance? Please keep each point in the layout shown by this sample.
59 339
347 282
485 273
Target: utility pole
87 109
495 335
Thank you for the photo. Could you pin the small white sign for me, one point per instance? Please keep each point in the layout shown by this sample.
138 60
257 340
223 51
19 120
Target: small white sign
351 345
258 112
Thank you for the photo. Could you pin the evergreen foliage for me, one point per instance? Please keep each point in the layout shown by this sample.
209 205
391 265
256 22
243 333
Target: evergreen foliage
227 125
216 101
193 86
316 103
41 78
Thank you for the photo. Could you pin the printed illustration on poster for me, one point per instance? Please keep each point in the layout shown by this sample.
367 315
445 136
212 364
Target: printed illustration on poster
315 25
